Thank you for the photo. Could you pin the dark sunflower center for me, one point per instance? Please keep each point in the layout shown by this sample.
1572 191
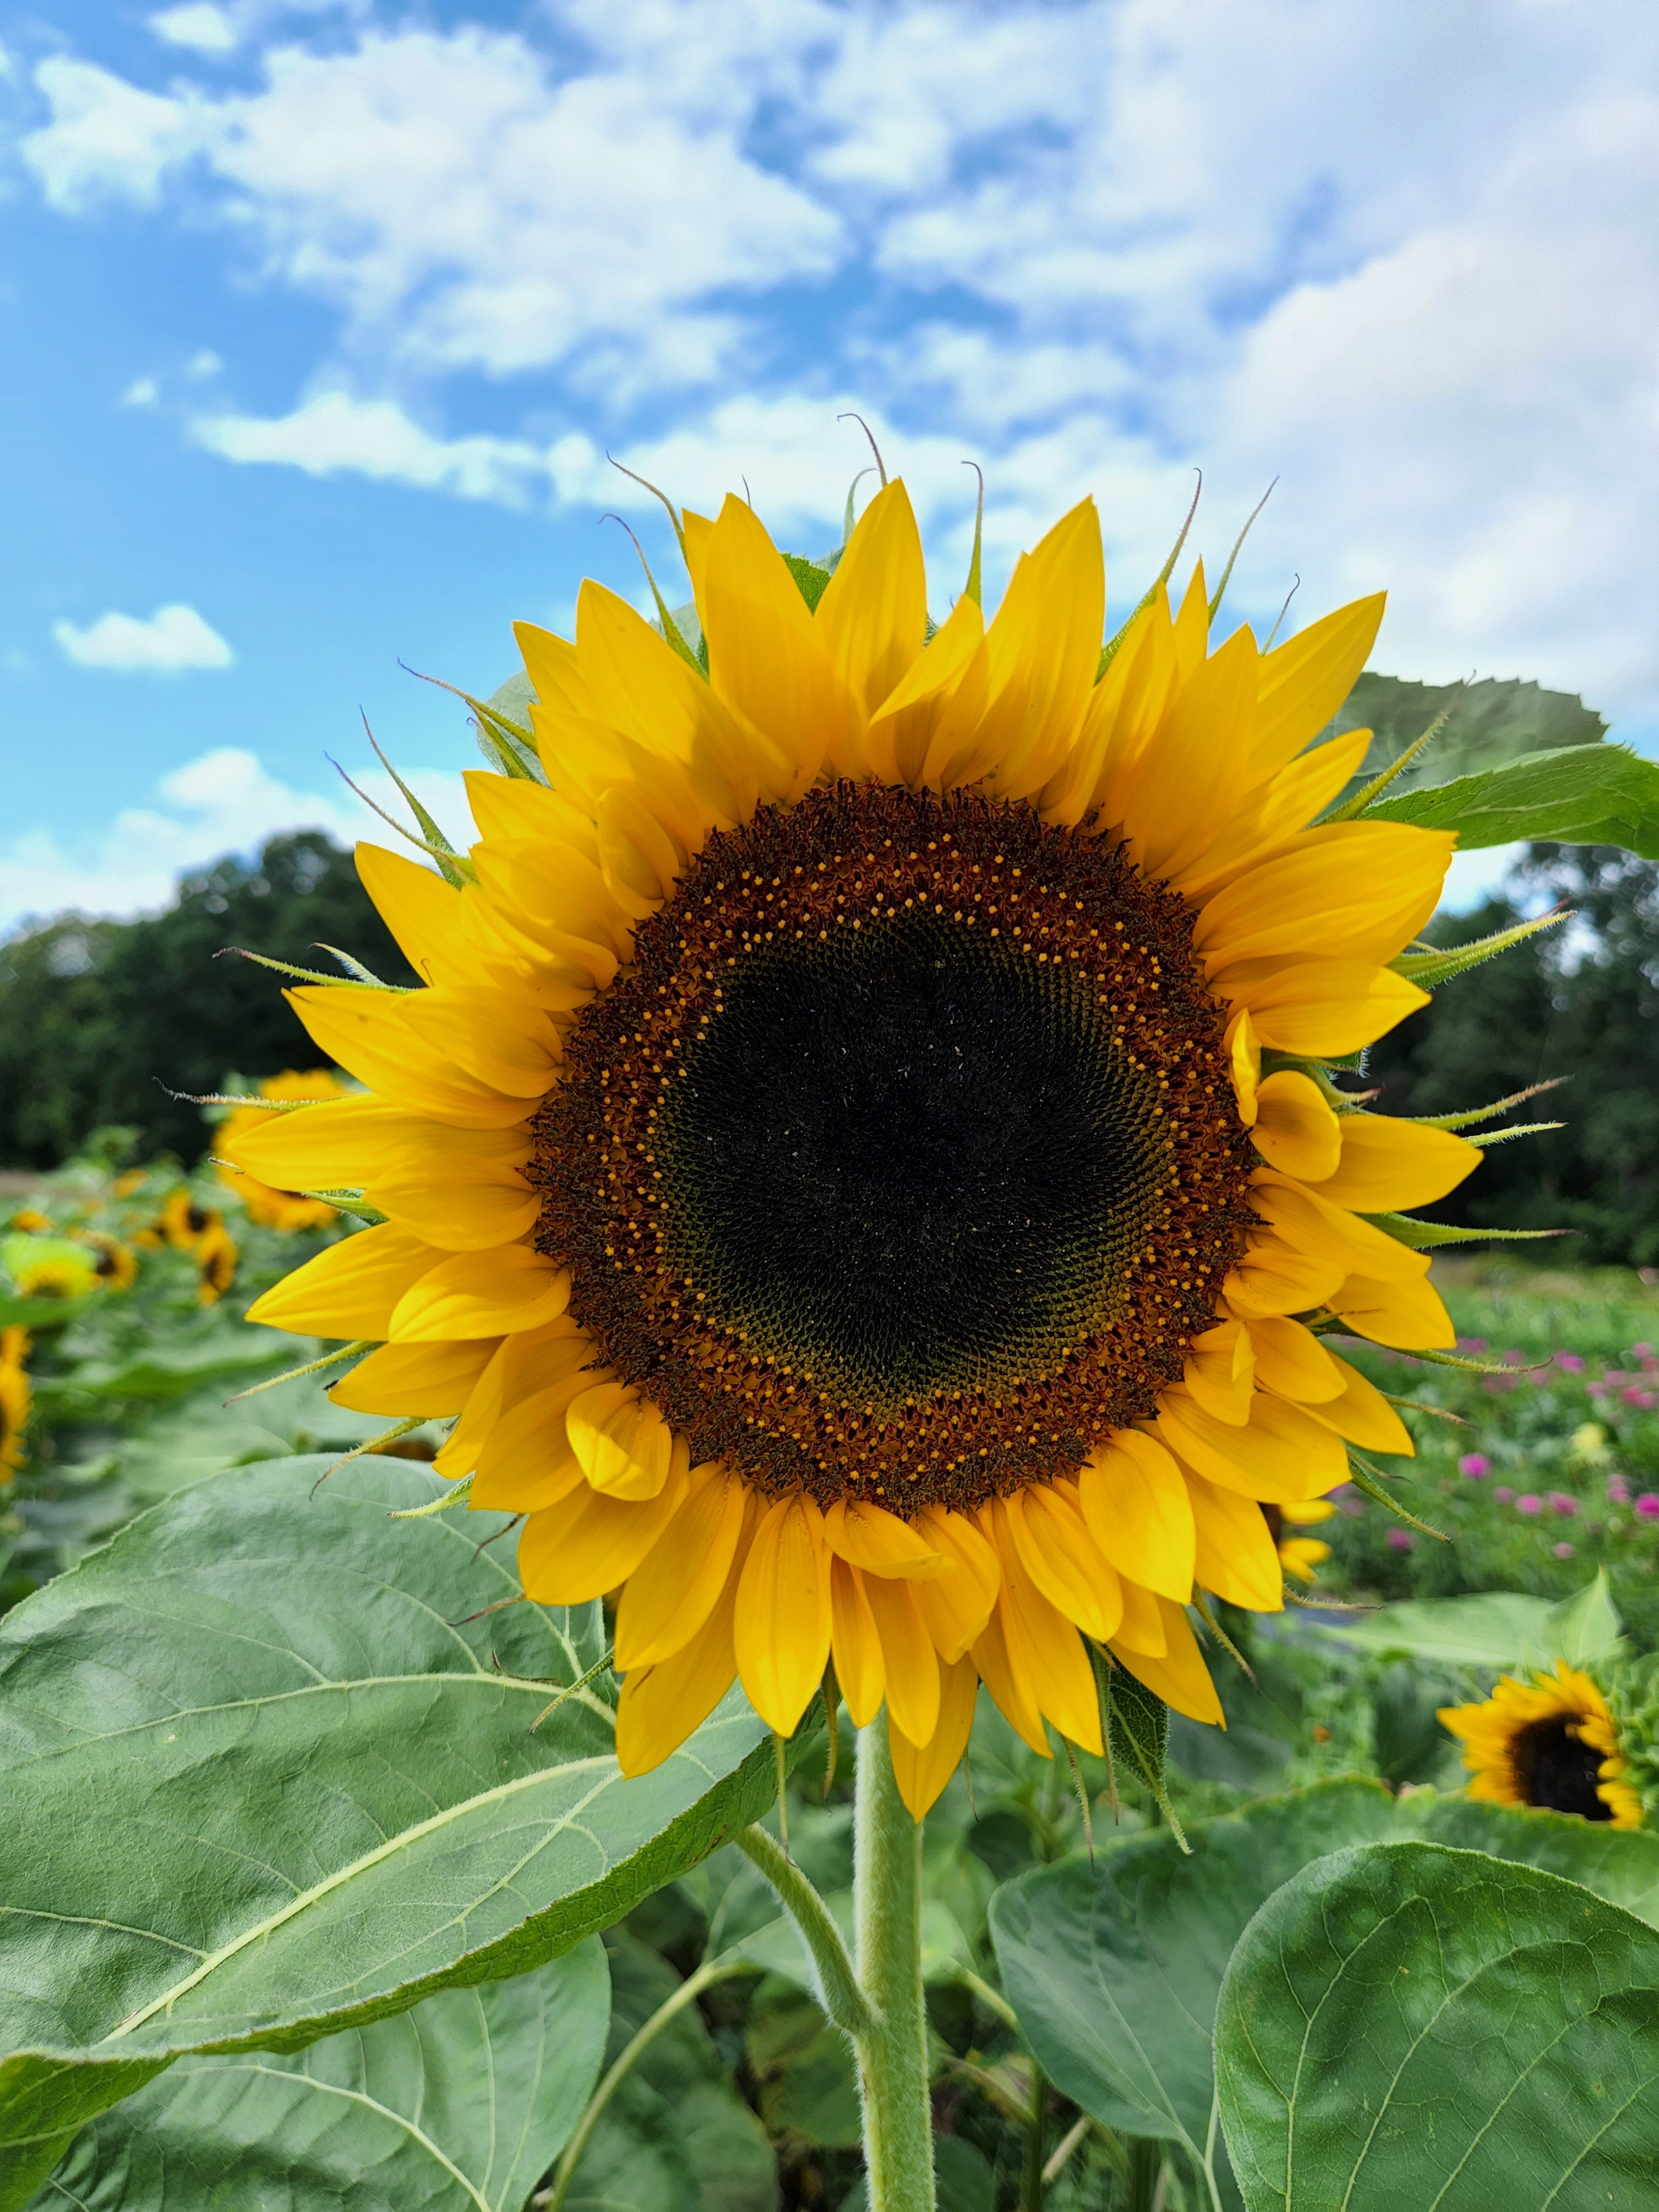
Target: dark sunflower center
1556 1769
903 1159
906 1159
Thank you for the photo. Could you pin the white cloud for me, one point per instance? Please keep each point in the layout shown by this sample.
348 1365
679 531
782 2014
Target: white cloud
198 25
143 392
107 140
226 801
175 638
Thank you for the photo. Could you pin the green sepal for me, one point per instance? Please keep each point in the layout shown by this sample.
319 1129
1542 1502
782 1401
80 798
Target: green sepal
1423 1236
1363 1477
1487 1138
363 983
1108 652
1470 1115
1427 969
1588 795
348 1201
1134 1726
812 578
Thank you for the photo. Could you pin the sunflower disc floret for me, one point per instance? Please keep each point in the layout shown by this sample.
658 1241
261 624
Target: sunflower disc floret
861 1171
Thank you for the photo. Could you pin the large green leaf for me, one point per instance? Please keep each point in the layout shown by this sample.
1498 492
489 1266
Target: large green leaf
1403 2024
268 1776
1492 1629
1488 723
459 2105
1114 1967
1584 795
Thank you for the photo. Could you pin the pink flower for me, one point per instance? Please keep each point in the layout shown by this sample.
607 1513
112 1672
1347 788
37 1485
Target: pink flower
1560 1501
1596 1389
1618 1490
1474 1465
1642 1351
1562 1551
1504 1496
1648 1505
1471 1343
1569 1363
1531 1503
1402 1539
1644 1400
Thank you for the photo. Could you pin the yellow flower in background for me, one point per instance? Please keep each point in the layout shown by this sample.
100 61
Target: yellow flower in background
184 1222
16 1396
272 1209
30 1222
215 1257
59 1272
1552 1743
857 1166
1303 1556
116 1266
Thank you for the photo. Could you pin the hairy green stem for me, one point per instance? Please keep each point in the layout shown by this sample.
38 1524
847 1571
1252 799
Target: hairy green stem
838 1985
898 2130
711 1970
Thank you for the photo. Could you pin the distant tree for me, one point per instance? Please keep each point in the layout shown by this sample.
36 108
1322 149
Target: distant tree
96 1015
1581 1001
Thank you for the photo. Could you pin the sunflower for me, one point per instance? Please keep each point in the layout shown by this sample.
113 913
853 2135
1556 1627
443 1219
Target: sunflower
278 1209
29 1221
182 1222
860 1158
57 1270
116 1266
1552 1743
215 1257
16 1395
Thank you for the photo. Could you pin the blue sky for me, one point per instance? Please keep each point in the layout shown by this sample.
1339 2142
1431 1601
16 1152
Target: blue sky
317 322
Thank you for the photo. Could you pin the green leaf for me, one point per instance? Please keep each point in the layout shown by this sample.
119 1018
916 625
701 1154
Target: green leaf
1137 1730
1489 722
1404 2024
1586 795
268 1776
1495 1629
811 577
459 2105
1114 1967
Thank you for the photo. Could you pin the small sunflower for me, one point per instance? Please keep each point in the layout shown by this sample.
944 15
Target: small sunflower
117 1264
278 1209
860 1158
1553 1743
16 1396
57 1270
182 1222
29 1221
1301 1556
215 1257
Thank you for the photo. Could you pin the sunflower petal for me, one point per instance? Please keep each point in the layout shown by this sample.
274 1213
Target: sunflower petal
861 1671
873 615
1179 1675
909 1659
481 1294
676 1587
1409 1316
783 1619
1237 1558
435 1379
1284 1452
622 1440
1363 1414
661 1706
1294 1129
1137 1511
922 1771
352 1289
586 1544
868 1536
1386 1163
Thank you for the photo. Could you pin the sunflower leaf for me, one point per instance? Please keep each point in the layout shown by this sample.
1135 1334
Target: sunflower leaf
265 1779
1136 1727
812 578
1590 794
1405 2024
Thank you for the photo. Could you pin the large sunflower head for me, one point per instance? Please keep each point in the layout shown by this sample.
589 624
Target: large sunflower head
287 1210
862 1168
1552 1741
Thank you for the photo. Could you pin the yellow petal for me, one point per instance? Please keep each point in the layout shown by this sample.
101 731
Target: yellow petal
352 1289
766 657
1244 1064
1273 1278
557 892
1141 1628
1294 1128
1056 1550
1386 1163
660 1706
1192 774
955 1603
340 1145
1363 1414
1237 1558
1010 1680
1137 1511
1220 1372
622 1440
1316 1009
510 808
434 1379
782 1629
1192 624
553 668
1043 649
868 1536
909 1659
525 1363
1352 890
527 1464
478 1205
939 699
370 1033
1283 1453
860 1673
1179 1676
698 530
415 903
1309 1222
1045 1648
922 1771
1126 706
588 1543
1307 680
1291 1360
1409 1316
873 615
481 1294
671 1594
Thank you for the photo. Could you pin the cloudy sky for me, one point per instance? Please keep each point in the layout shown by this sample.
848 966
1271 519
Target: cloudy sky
317 322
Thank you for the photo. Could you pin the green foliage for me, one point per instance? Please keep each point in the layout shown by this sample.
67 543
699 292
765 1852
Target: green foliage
1403 2024
95 1016
332 1766
1499 1629
1590 795
1487 723
459 2105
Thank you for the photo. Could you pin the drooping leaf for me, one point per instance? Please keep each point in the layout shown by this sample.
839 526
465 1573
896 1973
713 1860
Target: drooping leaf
1114 1968
1137 1730
268 1776
458 2106
1584 795
1404 2024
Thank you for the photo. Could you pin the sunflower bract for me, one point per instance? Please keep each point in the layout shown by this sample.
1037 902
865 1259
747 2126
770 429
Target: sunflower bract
833 1174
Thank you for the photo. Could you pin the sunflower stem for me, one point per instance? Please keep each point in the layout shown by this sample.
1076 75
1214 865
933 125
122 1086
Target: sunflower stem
898 2130
838 1990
